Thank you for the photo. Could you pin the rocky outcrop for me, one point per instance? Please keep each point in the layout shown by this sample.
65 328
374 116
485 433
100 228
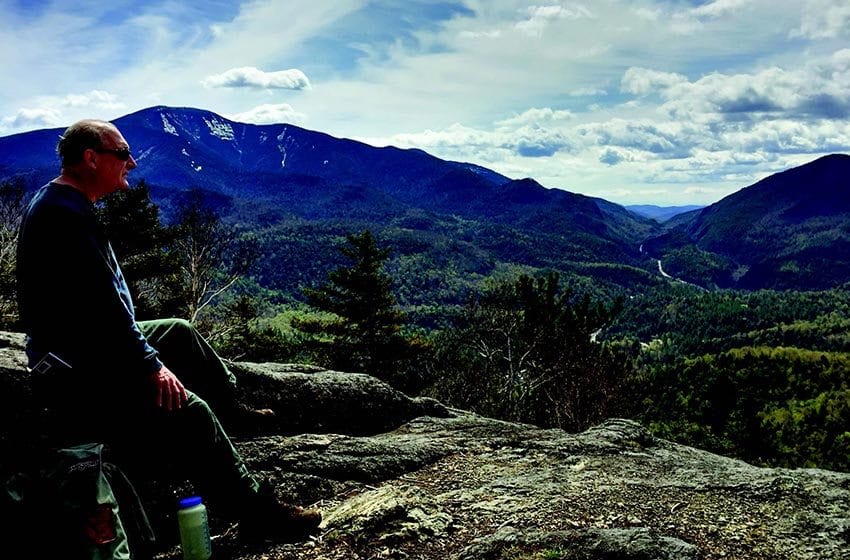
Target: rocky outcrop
426 482
312 399
467 487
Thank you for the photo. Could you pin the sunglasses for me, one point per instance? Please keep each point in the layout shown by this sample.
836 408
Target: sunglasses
121 153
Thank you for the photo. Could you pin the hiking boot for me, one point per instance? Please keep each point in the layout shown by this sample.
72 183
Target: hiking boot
267 518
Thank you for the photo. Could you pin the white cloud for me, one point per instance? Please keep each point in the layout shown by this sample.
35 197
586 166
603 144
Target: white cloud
647 14
841 60
269 114
536 141
539 17
672 139
642 81
58 111
692 20
718 8
35 118
96 98
250 77
491 34
788 137
824 19
536 117
610 156
821 89
527 140
453 136
587 92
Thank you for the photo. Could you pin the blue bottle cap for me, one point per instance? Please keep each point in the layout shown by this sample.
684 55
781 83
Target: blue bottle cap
191 501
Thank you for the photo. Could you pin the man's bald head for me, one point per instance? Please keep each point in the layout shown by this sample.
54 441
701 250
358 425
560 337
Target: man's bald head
79 137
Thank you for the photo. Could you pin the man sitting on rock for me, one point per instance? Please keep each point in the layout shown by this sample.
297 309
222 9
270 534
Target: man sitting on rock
120 388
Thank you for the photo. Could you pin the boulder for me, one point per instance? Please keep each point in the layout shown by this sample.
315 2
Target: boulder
309 398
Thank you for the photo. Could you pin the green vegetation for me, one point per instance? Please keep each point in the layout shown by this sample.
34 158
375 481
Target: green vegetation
763 376
524 351
440 262
779 405
11 212
698 267
360 328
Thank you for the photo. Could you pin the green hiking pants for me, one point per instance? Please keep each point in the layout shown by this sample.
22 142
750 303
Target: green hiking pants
185 352
189 442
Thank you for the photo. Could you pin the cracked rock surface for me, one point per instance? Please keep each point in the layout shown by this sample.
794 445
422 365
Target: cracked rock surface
465 487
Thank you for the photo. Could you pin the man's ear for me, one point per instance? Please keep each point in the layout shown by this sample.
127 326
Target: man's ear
90 159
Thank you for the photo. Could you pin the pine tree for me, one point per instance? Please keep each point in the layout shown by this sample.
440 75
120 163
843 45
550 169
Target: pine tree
364 331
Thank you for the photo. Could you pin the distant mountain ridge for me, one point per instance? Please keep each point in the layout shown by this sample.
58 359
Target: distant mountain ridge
789 230
192 148
781 232
661 213
182 148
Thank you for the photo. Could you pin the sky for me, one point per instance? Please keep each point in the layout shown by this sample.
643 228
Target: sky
666 102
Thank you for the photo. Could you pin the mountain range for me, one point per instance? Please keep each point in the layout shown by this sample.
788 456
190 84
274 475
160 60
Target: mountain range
661 213
311 174
300 190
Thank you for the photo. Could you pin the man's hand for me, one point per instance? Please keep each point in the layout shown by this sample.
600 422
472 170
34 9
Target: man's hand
170 392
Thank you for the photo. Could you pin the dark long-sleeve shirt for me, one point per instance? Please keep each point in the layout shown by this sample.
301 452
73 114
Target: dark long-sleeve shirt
72 295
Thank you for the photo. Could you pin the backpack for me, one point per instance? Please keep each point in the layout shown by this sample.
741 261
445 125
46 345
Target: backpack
68 507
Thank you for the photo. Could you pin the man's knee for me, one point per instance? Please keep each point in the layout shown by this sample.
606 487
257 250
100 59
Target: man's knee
196 405
199 414
181 324
170 329
175 324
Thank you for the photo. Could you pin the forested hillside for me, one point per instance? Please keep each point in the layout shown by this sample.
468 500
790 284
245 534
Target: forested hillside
788 231
764 375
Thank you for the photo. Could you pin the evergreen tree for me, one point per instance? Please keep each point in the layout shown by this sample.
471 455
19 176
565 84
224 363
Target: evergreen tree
364 331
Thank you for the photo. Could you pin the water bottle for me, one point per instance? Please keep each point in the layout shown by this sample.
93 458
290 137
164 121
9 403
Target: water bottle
194 529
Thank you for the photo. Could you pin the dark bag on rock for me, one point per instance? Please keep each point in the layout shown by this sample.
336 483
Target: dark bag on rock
69 508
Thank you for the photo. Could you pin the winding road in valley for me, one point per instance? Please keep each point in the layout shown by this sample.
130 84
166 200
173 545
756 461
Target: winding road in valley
665 275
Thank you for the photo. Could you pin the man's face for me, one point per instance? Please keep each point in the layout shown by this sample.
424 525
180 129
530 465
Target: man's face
112 167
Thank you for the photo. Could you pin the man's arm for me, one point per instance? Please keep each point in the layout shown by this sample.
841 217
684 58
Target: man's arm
73 294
